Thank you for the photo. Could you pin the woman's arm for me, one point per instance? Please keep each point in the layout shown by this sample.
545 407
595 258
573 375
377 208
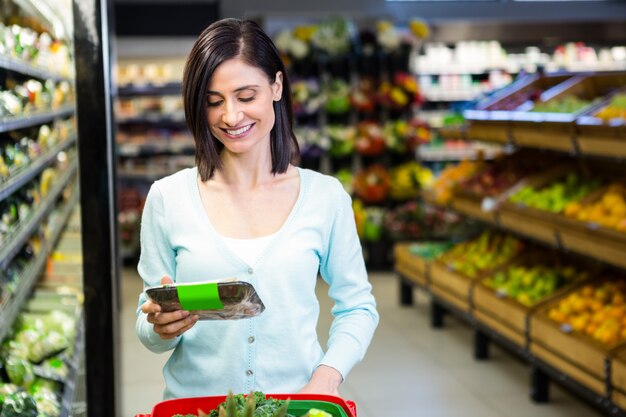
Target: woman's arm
157 259
355 314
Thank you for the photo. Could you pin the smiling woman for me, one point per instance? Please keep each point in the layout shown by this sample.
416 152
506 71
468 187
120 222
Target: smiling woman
248 213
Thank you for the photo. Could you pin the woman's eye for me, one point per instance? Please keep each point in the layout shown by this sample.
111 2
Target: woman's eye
246 99
213 103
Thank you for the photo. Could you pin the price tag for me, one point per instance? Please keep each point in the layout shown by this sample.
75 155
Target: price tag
199 297
593 226
488 204
566 328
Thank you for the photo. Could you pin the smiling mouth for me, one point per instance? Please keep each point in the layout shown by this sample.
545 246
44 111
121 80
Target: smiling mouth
238 132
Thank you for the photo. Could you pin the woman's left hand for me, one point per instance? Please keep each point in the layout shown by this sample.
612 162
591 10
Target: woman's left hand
325 380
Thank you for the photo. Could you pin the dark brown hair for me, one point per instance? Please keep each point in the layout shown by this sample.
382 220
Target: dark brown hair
221 41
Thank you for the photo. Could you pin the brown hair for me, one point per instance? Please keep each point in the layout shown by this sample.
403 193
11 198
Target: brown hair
221 41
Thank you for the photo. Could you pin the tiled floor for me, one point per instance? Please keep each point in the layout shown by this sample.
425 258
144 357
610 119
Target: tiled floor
410 369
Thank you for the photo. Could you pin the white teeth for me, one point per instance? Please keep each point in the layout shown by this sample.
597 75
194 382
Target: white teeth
238 131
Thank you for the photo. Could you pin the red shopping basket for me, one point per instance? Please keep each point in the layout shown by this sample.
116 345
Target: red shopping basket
191 405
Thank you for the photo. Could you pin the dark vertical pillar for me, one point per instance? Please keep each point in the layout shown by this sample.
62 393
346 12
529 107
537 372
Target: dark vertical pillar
481 344
97 199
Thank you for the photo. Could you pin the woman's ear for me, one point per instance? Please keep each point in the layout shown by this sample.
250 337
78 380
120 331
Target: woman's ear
277 87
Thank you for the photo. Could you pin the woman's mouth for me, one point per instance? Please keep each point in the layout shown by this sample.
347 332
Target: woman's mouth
239 131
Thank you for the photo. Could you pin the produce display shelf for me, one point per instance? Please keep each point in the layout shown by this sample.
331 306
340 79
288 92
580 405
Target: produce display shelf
21 177
593 240
528 222
430 153
413 268
16 65
476 207
72 385
24 231
578 356
10 310
132 90
542 372
451 286
34 119
484 334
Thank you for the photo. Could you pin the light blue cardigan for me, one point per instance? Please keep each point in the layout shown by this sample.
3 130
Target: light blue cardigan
277 351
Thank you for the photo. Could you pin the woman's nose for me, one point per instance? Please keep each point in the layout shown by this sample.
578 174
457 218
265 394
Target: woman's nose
232 114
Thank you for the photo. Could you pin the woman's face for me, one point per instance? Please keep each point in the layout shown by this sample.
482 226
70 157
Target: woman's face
239 105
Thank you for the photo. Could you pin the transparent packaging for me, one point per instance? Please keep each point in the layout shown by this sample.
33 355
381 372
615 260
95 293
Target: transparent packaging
240 300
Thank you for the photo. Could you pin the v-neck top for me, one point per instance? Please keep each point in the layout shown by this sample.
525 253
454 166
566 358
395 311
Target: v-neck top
278 350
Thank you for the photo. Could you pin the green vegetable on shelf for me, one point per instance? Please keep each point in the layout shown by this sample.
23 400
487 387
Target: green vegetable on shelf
19 371
19 404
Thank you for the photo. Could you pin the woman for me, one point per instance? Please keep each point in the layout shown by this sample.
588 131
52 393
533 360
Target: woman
246 211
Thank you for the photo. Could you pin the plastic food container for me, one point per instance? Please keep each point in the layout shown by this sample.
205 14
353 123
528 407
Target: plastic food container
227 300
299 404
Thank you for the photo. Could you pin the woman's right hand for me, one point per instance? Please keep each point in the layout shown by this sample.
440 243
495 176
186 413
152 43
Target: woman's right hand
171 324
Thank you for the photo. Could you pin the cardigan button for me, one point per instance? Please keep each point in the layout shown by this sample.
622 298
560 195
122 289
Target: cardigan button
249 372
251 339
250 271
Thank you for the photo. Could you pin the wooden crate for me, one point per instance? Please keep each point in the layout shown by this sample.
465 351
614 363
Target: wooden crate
412 267
602 140
557 131
618 372
473 206
574 354
572 370
451 285
546 135
509 317
619 399
489 131
593 240
528 222
595 136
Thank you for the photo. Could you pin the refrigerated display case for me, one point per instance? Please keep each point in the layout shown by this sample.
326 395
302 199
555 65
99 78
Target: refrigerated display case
58 250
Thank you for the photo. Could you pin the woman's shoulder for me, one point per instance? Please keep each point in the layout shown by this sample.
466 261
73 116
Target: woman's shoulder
318 179
321 186
175 181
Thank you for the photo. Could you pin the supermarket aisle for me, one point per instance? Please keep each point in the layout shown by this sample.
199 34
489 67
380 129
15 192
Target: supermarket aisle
410 370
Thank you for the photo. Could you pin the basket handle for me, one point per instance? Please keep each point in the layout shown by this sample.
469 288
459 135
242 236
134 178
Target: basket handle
352 406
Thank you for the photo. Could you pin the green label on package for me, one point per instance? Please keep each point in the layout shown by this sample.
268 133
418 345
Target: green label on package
199 297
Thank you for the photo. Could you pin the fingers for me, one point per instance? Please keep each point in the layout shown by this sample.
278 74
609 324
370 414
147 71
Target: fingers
173 324
166 280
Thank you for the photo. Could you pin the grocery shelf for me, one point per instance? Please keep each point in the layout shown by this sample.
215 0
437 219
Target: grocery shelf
156 146
24 231
131 90
33 169
29 276
430 153
13 123
74 386
153 119
16 65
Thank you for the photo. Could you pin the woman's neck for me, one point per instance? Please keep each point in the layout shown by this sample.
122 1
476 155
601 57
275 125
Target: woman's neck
245 171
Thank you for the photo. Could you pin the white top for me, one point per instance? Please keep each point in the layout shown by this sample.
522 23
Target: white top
249 250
